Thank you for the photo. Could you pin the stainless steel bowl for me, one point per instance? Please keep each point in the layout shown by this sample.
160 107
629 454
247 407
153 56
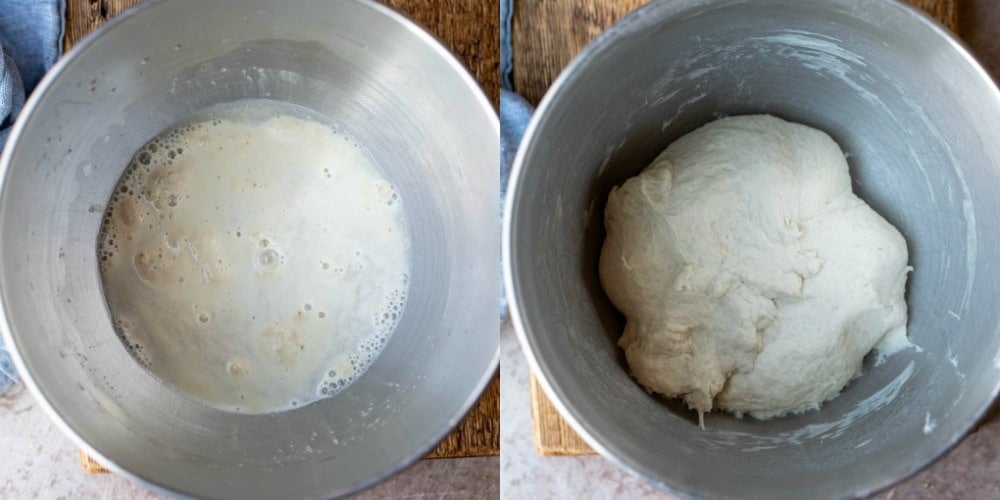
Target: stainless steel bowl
388 83
918 118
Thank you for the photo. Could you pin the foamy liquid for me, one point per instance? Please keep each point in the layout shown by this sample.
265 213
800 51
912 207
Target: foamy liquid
254 257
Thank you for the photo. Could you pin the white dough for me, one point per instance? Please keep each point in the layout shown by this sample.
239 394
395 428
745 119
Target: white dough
752 278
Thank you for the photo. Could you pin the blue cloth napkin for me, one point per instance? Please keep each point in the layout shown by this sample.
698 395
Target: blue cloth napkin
31 33
515 112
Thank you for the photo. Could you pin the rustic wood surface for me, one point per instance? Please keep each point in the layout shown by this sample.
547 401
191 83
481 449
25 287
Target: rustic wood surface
945 11
550 432
478 435
84 16
546 35
470 28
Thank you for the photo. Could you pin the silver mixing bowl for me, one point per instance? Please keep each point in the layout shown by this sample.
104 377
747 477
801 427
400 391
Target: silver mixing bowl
388 83
919 119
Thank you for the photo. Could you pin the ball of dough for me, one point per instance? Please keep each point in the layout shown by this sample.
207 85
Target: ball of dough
752 278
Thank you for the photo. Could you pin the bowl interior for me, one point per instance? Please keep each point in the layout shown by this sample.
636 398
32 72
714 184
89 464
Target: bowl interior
387 83
917 119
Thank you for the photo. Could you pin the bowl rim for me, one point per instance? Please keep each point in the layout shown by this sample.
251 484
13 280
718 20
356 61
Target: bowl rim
17 130
656 12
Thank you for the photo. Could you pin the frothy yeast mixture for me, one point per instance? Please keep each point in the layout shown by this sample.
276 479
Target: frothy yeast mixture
254 257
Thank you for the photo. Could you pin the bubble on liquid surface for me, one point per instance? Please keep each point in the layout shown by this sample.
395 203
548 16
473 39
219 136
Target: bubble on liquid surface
236 368
268 259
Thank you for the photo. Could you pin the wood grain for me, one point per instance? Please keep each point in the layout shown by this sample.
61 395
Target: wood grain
91 466
546 36
478 435
84 16
945 11
470 28
550 432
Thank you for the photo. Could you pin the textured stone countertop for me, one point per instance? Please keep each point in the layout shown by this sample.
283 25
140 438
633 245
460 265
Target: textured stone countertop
971 470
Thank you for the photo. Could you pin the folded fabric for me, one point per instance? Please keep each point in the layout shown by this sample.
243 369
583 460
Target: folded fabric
515 113
31 33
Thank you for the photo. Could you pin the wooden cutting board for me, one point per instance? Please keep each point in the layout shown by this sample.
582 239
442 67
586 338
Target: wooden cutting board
470 28
546 35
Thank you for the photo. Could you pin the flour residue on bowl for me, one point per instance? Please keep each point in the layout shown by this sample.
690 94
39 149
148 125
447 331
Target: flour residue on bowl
254 257
822 430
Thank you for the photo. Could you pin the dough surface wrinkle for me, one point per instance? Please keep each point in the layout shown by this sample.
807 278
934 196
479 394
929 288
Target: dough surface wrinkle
753 280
